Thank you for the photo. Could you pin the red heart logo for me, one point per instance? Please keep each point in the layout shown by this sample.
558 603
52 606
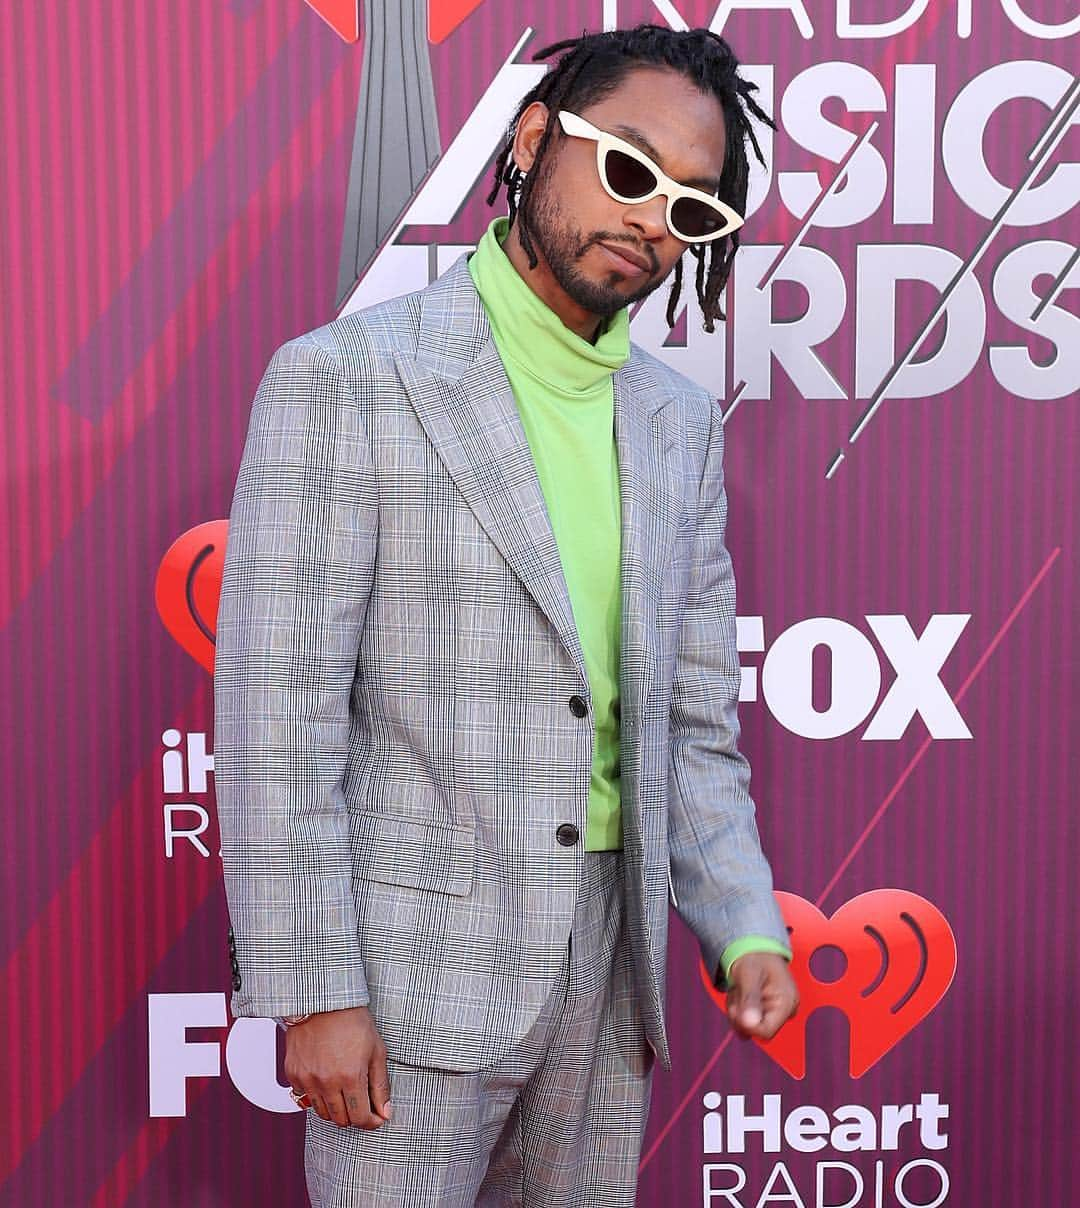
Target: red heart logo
900 955
343 16
188 587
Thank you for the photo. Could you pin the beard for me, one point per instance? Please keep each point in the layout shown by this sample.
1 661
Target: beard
562 245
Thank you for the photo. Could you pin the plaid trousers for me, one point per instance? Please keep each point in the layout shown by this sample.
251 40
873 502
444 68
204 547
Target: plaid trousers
557 1123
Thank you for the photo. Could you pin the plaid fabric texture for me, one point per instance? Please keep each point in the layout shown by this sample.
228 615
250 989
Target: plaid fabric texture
556 1123
395 747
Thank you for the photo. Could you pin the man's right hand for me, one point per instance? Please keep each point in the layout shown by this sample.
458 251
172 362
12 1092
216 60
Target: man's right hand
339 1059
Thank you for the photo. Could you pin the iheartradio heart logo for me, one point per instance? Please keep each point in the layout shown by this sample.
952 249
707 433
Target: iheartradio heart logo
900 958
443 17
188 587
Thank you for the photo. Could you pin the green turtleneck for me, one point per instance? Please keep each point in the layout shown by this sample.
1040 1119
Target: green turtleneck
563 390
562 386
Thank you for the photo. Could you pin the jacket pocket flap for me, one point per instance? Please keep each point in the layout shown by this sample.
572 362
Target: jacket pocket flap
405 851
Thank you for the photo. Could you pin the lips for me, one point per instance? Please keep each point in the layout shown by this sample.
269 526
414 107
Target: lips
627 254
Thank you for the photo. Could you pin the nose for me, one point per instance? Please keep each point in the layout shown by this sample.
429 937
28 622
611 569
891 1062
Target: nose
649 217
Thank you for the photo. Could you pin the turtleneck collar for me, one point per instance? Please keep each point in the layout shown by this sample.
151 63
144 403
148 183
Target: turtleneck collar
529 332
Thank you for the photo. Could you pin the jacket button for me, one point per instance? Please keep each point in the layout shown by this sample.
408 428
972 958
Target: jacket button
567 834
578 707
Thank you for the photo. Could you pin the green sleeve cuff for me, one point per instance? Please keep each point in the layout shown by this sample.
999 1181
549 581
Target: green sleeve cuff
750 943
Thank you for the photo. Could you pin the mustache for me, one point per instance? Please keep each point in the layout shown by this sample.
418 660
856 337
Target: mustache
617 242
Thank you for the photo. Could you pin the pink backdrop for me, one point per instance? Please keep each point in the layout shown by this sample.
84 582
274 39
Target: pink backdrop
900 378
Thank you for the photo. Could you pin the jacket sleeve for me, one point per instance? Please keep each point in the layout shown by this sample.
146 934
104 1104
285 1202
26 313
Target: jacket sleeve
297 577
721 881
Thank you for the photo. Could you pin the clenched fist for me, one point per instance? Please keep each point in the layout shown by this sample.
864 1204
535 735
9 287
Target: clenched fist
762 994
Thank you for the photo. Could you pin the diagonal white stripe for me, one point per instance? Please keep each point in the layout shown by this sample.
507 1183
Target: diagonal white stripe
1072 98
822 197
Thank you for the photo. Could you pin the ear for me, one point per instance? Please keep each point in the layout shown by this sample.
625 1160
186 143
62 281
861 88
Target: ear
530 130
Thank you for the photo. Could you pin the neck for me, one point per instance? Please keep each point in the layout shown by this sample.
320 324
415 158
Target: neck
542 282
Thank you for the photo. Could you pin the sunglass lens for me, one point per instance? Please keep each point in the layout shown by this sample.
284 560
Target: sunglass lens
627 176
695 218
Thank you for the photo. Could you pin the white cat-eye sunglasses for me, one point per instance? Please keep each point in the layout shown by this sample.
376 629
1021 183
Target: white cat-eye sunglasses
630 176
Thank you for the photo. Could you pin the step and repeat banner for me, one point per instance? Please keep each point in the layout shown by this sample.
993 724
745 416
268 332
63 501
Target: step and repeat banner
188 186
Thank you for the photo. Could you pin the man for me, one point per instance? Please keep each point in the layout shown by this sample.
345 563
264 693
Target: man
476 674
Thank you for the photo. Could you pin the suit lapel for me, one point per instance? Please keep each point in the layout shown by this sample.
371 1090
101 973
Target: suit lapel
459 389
473 423
651 502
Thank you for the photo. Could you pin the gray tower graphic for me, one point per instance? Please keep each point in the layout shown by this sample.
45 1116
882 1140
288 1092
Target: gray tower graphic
396 141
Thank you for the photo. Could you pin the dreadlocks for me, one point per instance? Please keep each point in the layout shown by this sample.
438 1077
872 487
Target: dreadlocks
592 69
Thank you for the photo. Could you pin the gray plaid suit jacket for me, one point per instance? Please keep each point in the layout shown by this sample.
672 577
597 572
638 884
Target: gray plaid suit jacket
394 744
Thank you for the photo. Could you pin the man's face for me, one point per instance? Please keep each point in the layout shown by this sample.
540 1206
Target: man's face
571 215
